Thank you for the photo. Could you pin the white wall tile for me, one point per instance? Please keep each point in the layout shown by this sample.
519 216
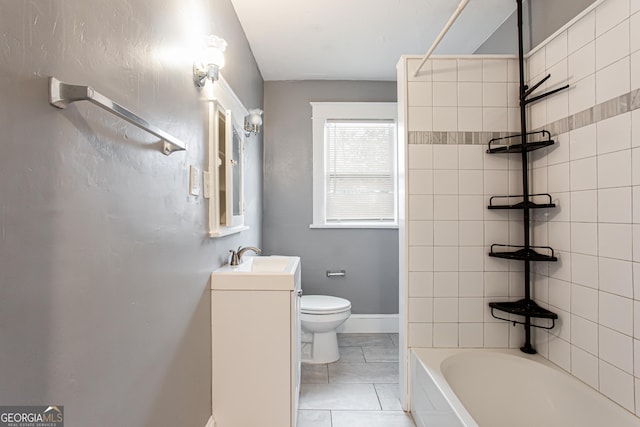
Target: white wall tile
470 94
471 258
445 94
537 63
496 335
420 334
556 49
616 349
616 276
445 119
560 353
562 211
538 114
472 208
616 313
609 14
420 119
471 284
584 366
445 335
559 178
560 236
496 182
420 284
471 233
421 207
634 25
582 142
559 151
581 32
513 119
635 70
445 310
582 62
582 94
614 134
635 128
470 182
614 169
420 94
617 384
584 334
496 232
513 95
634 6
494 70
445 233
495 119
584 174
495 161
614 205
444 208
471 335
470 119
420 233
444 70
496 284
615 241
636 204
420 258
612 45
636 281
471 310
636 335
423 75
445 284
420 181
420 310
613 80
584 302
585 206
445 156
469 70
636 242
494 94
420 156
562 268
560 294
445 258
584 270
470 156
445 182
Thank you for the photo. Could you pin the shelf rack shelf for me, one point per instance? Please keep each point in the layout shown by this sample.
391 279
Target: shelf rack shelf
523 143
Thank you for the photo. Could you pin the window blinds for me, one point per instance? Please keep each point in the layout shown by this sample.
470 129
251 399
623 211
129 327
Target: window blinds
360 170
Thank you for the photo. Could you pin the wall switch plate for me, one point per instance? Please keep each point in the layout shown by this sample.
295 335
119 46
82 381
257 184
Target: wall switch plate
194 181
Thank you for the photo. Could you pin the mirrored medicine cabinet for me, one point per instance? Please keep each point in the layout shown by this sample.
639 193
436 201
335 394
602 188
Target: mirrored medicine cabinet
226 162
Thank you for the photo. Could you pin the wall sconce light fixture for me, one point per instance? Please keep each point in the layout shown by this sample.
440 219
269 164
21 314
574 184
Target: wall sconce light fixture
253 121
210 62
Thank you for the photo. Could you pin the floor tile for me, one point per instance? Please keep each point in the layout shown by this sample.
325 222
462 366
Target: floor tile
339 396
380 354
351 340
314 374
351 355
379 373
389 396
371 419
313 418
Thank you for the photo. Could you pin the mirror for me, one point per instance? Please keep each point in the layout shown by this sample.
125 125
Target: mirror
226 151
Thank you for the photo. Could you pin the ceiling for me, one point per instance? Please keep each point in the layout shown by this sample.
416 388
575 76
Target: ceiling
359 39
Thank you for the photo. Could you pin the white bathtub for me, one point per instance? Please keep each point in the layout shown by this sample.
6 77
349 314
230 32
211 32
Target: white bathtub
504 388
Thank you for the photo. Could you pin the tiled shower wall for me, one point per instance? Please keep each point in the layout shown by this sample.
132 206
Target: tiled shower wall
453 107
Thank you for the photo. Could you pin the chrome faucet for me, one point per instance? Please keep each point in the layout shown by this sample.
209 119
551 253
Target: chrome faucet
236 256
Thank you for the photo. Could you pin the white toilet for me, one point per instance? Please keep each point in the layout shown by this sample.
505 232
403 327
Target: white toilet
320 316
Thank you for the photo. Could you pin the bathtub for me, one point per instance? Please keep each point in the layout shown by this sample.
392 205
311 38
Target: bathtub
503 388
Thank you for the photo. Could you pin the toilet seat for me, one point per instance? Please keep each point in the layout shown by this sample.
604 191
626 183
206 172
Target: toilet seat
323 304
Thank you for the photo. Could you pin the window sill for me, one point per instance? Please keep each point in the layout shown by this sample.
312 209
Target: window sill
356 225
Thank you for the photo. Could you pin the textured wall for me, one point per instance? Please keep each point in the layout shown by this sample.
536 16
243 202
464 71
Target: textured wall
104 260
370 257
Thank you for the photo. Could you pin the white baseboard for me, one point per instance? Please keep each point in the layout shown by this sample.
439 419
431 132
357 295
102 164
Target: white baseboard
211 422
370 324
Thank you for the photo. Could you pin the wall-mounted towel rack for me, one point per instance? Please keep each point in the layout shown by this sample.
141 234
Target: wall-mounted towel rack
63 94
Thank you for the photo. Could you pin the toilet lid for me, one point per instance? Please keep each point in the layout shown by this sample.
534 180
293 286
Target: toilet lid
323 304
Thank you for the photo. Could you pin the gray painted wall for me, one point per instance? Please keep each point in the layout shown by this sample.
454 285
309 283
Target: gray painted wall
370 257
541 18
104 261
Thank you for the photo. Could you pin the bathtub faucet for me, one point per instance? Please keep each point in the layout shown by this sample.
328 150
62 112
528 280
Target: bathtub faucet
236 256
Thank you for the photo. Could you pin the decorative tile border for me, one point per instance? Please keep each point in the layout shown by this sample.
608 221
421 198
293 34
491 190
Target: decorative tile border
605 110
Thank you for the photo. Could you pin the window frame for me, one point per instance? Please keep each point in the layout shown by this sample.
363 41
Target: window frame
323 111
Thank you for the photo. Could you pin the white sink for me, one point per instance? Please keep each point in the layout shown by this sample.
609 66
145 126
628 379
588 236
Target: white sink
259 273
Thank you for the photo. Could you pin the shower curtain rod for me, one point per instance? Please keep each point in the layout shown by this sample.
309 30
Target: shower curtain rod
461 6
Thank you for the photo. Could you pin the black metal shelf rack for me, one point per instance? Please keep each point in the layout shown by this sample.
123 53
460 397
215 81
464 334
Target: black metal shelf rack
522 144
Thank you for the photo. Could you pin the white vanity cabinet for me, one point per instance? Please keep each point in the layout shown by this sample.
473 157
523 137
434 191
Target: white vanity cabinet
255 318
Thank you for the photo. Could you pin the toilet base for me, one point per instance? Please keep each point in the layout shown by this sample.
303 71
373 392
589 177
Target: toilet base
324 348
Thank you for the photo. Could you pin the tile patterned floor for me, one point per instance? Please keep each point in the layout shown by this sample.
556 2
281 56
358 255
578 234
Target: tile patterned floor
359 390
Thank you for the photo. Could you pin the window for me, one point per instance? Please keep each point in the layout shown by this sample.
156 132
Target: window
354 165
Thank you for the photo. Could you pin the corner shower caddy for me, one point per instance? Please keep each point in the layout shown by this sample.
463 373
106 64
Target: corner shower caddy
525 307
